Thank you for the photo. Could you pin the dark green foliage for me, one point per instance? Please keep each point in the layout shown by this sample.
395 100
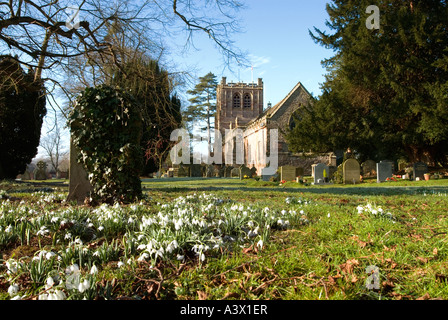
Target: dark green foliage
106 128
203 102
22 109
151 87
385 93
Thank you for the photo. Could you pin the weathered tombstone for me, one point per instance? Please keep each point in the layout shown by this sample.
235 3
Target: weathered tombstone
79 186
392 163
321 173
420 168
228 171
245 172
287 173
195 171
41 171
235 173
28 174
351 171
300 172
369 168
384 171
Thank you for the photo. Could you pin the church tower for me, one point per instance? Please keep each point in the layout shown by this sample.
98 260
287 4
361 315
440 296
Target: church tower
237 104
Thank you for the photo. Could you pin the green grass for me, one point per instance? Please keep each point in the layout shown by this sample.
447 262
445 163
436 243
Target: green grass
324 258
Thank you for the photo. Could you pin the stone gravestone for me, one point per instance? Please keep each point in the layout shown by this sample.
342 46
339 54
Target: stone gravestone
287 173
321 173
351 171
235 173
41 171
300 172
28 174
392 163
195 170
369 168
228 171
245 172
420 168
384 171
79 186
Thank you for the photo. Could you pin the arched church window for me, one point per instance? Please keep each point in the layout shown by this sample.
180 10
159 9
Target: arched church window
247 103
236 101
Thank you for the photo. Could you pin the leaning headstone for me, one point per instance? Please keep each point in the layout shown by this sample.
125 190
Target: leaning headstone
287 173
79 186
245 172
384 171
420 168
351 171
369 168
321 173
41 171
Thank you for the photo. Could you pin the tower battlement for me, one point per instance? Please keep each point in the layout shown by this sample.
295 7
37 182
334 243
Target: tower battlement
237 103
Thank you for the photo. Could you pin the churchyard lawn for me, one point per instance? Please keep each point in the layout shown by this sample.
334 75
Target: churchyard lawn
227 239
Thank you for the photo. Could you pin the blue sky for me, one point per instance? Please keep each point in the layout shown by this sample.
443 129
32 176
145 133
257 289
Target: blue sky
276 38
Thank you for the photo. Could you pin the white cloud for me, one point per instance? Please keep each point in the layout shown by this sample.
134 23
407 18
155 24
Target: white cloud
258 61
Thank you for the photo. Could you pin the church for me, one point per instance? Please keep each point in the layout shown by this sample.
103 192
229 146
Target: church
240 107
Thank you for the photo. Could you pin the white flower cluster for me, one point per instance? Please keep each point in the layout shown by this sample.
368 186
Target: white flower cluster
198 225
375 211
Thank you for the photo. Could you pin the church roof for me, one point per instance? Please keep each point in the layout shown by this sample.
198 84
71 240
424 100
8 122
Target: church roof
268 113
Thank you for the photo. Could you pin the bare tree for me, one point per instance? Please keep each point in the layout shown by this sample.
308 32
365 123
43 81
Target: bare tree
53 145
46 35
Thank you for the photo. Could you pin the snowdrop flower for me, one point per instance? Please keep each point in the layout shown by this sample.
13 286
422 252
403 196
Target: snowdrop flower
360 209
180 257
94 270
260 244
328 215
8 229
68 236
12 266
13 290
143 257
74 268
83 286
49 255
43 231
57 295
100 228
49 283
120 264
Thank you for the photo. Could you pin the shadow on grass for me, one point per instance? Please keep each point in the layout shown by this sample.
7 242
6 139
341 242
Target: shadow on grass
368 191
